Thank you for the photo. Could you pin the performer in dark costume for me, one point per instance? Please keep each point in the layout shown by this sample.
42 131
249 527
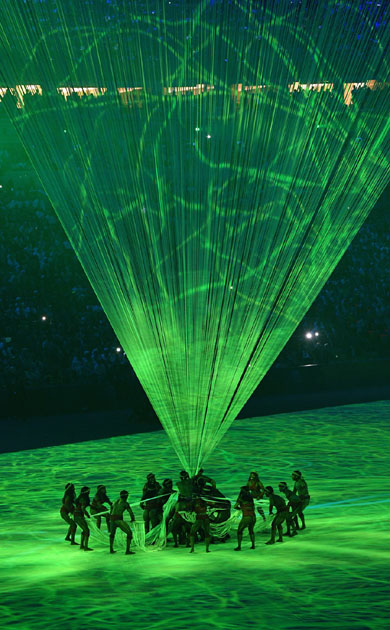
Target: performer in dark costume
185 486
164 494
67 511
294 503
180 527
82 502
202 522
97 506
204 479
151 507
257 490
248 520
301 489
116 518
281 514
220 506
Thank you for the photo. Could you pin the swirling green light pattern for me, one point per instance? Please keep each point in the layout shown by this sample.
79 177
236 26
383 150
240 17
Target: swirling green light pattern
209 205
333 575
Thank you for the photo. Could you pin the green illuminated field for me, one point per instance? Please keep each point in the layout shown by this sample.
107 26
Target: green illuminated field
333 575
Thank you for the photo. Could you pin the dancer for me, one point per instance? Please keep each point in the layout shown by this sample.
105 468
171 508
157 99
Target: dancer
281 514
246 504
116 518
202 522
257 491
301 489
67 510
205 480
180 527
220 511
165 492
185 486
82 502
97 506
294 503
150 504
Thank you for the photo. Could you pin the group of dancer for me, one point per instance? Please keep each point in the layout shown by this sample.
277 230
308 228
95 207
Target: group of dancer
188 516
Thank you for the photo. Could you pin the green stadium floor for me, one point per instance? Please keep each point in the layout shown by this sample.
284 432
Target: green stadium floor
332 575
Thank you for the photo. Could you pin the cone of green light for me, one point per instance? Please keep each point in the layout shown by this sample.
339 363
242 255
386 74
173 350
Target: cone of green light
206 188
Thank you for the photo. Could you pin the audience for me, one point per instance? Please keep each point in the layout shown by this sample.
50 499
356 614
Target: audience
54 331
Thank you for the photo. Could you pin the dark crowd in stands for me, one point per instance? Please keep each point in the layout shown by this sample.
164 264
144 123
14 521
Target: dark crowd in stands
54 331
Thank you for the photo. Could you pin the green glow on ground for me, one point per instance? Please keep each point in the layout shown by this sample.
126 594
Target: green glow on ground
333 575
